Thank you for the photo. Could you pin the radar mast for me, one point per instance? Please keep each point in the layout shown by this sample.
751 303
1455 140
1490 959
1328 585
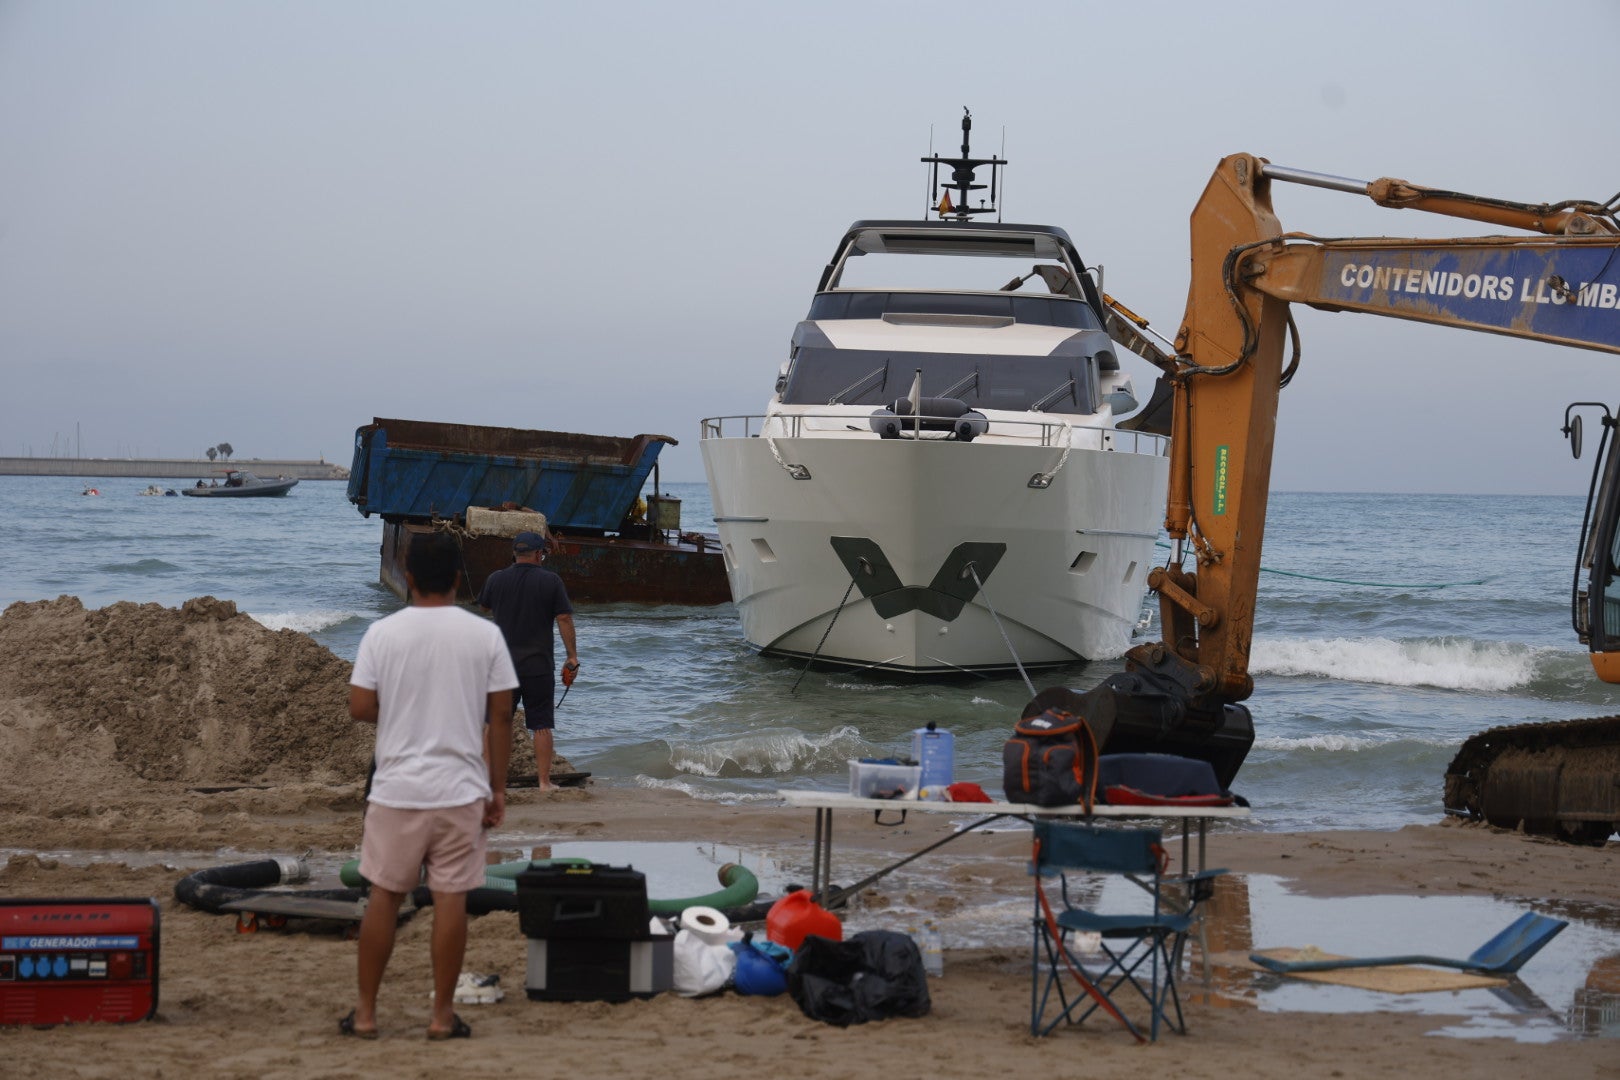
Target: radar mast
962 180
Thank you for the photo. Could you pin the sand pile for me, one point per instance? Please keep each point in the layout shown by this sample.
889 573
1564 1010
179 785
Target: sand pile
201 694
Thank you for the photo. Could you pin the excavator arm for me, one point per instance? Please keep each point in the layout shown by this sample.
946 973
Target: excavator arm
1183 694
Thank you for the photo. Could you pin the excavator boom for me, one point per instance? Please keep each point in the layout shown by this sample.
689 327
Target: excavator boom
1183 694
1540 288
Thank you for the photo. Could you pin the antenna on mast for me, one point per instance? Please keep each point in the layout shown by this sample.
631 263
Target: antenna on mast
962 178
929 183
993 174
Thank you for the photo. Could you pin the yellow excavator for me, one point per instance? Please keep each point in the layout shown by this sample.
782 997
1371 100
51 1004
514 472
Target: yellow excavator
1220 388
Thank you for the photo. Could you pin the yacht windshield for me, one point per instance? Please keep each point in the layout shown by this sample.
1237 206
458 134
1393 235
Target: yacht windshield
939 272
1056 384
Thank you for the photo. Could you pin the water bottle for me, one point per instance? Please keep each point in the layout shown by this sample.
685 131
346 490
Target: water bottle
935 751
933 950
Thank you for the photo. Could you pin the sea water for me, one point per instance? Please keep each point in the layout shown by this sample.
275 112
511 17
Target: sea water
1364 686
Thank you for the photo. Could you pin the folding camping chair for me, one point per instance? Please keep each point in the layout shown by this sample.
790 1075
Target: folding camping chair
1141 951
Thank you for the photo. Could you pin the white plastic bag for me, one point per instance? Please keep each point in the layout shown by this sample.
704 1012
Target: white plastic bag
701 968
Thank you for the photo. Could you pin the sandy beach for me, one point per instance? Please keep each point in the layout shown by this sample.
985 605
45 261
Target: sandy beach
111 764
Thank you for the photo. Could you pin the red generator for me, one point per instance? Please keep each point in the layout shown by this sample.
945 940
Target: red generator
78 961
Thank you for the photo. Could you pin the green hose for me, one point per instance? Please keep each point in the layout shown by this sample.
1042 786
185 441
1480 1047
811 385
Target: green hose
739 885
508 871
501 876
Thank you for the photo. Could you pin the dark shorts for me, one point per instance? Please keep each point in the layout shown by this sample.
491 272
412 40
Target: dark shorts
534 694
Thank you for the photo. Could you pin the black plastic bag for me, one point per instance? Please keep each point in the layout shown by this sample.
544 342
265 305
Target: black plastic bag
874 975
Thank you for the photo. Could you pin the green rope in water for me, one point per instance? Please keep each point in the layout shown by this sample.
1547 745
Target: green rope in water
1369 584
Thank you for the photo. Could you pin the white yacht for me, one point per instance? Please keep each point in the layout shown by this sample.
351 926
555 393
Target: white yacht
938 482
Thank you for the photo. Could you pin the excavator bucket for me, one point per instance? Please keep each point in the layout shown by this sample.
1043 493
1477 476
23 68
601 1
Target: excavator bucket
1145 713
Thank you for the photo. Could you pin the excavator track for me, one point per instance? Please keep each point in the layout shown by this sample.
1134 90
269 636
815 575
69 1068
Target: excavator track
1557 778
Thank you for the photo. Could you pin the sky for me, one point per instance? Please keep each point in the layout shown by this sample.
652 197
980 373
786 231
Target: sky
267 223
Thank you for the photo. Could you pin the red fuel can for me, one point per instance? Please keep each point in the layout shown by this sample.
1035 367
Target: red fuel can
78 961
796 916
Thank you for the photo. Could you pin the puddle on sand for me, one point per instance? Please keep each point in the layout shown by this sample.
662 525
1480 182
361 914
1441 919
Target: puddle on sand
1572 986
672 868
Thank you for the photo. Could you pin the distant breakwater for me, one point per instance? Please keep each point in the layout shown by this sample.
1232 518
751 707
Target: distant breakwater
169 468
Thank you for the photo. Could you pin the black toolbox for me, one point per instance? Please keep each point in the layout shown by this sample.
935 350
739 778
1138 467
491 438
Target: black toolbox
582 900
589 932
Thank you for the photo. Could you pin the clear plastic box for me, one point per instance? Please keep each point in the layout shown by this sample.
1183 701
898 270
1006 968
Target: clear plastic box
870 780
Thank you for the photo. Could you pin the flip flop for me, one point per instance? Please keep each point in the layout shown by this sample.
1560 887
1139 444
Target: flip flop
346 1027
459 1029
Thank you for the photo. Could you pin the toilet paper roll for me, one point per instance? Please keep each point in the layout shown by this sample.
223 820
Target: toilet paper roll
706 924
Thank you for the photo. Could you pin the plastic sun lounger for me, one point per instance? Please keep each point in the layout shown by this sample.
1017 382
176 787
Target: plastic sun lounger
1504 954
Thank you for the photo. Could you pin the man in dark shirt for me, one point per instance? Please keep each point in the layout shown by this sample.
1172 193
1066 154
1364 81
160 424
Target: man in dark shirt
526 599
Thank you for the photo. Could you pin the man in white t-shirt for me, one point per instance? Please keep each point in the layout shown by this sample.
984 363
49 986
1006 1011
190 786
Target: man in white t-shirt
430 677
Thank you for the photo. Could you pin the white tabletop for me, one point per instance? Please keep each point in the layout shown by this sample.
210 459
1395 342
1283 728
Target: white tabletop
830 800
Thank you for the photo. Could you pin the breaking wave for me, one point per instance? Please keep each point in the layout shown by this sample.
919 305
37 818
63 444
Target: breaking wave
781 752
1448 663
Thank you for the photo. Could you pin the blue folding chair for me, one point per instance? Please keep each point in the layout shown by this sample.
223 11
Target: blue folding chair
1141 951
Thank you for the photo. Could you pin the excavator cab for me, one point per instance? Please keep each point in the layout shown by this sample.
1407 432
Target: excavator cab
1596 607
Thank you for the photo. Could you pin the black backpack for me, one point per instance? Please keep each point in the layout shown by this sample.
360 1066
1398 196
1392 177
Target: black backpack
1051 760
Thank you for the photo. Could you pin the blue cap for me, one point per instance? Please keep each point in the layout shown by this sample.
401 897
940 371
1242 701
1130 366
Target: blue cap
530 541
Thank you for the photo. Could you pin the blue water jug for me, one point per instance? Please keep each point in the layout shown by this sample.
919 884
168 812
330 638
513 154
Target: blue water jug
935 751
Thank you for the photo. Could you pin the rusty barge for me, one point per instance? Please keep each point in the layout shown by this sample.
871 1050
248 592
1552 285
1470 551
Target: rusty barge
484 484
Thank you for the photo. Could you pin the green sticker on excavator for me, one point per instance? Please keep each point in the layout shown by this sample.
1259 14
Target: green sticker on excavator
1222 453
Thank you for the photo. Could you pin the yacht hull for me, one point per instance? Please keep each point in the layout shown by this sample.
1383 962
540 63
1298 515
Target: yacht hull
870 562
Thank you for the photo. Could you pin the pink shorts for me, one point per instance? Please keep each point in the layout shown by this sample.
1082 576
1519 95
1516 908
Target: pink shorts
448 841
